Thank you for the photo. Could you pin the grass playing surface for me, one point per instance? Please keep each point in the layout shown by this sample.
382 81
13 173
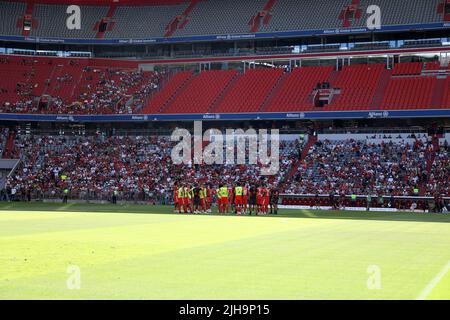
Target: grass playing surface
142 252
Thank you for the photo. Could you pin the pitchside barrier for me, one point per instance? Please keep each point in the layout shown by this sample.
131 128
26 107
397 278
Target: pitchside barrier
361 202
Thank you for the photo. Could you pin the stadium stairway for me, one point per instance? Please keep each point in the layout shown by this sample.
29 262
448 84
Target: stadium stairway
441 10
250 91
201 92
169 92
179 22
9 146
262 17
380 91
29 16
276 89
312 139
350 13
224 92
431 157
107 19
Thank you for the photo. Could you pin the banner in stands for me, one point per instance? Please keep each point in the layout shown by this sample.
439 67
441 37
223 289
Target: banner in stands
259 35
231 116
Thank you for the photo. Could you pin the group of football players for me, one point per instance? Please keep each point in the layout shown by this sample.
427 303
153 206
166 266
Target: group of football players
241 199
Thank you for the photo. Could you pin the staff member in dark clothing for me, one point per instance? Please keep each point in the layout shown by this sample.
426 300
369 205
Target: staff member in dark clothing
196 192
274 197
252 199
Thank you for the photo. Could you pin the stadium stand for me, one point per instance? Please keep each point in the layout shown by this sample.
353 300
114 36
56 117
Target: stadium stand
75 86
364 167
11 13
393 12
51 21
142 22
290 15
72 86
137 166
221 17
212 17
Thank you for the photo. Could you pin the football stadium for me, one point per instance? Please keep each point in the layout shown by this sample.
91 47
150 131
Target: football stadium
225 150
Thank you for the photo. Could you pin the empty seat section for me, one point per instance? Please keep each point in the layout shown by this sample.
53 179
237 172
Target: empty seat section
200 94
22 79
295 92
407 68
11 12
401 12
446 97
358 84
221 17
51 20
167 92
64 80
143 22
436 65
305 15
409 93
250 91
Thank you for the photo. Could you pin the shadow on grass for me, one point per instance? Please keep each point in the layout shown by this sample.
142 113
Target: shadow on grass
151 209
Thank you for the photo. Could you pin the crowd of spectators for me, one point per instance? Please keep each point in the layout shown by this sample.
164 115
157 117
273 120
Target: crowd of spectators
114 92
70 88
361 167
140 168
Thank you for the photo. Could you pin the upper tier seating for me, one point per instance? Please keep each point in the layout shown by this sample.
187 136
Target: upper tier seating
10 13
395 12
51 21
221 17
289 15
211 17
142 23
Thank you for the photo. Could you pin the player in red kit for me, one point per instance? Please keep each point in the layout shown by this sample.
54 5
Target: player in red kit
266 200
259 199
175 198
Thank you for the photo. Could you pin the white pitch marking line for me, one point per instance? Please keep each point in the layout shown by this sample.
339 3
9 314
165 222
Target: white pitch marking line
433 283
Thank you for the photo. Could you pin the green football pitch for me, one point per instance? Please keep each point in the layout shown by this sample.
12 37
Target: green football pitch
55 251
